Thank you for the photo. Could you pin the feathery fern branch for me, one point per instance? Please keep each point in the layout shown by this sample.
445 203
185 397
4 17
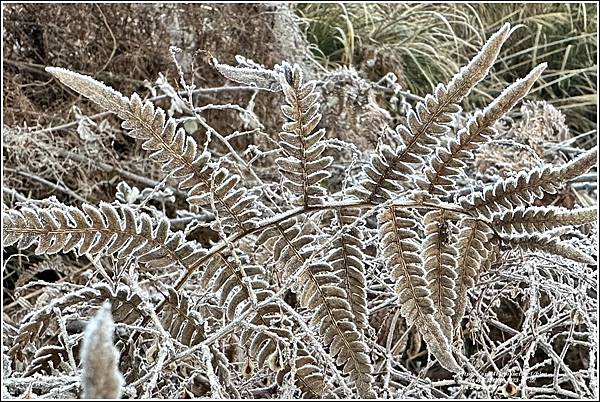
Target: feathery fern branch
446 162
346 258
176 150
538 219
439 256
242 289
430 120
399 244
303 166
321 294
100 230
474 243
526 186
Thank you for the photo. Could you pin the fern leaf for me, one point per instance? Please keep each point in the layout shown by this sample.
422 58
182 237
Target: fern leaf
125 304
186 326
538 219
101 230
439 255
474 243
175 149
333 315
249 73
537 242
321 293
347 258
400 247
125 309
54 264
180 321
237 285
47 359
303 166
29 331
526 186
309 376
447 162
241 289
431 120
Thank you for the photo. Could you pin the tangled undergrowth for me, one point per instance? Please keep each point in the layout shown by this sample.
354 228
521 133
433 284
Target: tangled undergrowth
301 265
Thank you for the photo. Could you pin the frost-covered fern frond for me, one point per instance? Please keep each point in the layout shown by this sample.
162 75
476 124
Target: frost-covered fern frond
180 321
125 304
400 248
249 73
333 314
550 245
329 292
439 256
242 289
125 309
474 243
174 148
538 219
99 230
283 239
447 162
322 294
526 186
100 378
303 166
432 117
308 375
347 259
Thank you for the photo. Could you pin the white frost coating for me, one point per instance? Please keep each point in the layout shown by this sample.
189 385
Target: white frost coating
176 150
479 66
215 384
249 73
92 89
447 162
100 377
429 120
538 219
303 167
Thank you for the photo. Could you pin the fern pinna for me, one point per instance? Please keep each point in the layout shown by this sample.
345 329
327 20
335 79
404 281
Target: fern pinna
432 246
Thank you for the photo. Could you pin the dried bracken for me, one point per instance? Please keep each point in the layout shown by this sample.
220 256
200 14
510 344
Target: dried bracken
282 300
